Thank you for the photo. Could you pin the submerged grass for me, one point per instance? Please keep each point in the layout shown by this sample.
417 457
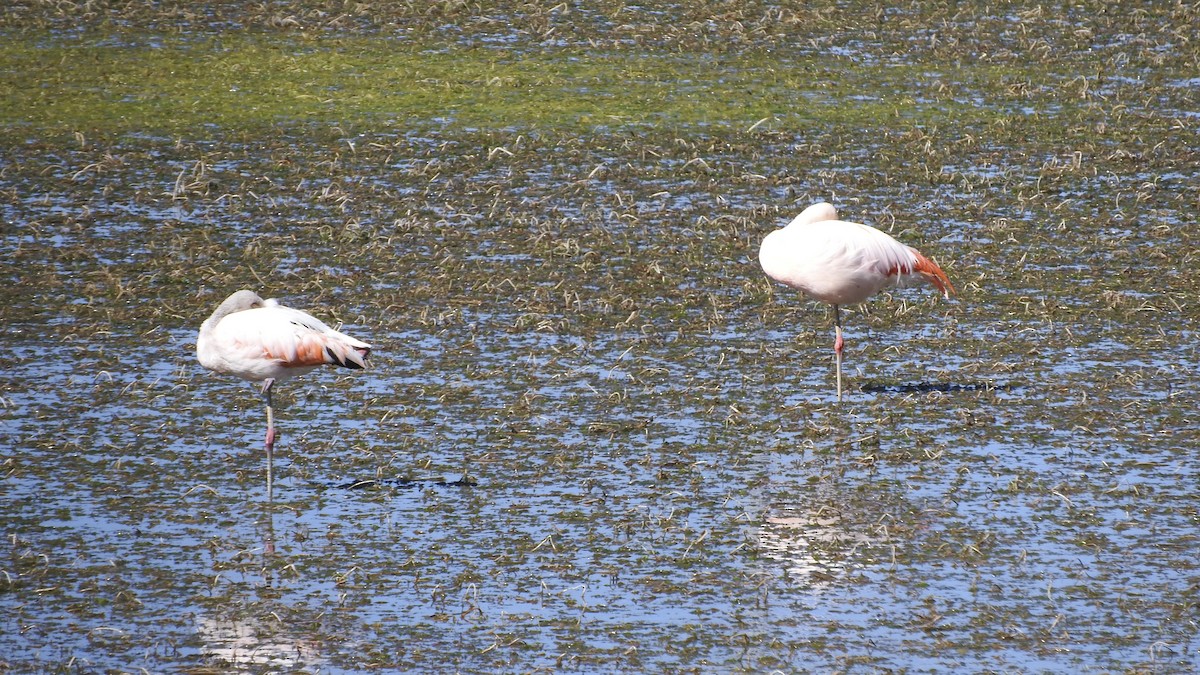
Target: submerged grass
244 82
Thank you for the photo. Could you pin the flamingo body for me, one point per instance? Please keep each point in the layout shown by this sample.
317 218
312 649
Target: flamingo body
263 341
842 263
260 340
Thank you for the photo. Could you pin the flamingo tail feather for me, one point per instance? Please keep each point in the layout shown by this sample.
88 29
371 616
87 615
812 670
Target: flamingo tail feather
932 273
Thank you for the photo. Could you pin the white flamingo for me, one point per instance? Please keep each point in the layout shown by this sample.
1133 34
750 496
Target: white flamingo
263 341
842 263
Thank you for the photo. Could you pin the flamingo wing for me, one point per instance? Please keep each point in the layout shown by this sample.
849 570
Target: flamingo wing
317 343
929 271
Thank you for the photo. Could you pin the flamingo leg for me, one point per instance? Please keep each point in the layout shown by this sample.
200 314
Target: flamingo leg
270 442
838 344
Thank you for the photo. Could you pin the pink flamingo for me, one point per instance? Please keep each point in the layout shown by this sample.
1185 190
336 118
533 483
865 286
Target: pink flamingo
263 341
842 263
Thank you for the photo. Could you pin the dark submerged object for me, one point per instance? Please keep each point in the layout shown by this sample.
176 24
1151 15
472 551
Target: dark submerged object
926 387
464 481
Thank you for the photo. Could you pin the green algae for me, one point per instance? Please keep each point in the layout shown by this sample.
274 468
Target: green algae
239 82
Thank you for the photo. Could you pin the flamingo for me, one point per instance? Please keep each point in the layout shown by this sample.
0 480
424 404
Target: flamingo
263 341
842 263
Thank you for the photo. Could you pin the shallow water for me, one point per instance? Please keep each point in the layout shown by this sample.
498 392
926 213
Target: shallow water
593 436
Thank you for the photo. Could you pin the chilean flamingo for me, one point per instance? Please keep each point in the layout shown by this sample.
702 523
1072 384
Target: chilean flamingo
263 341
842 263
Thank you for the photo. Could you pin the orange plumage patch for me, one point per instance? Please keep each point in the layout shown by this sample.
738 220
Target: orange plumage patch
309 352
932 273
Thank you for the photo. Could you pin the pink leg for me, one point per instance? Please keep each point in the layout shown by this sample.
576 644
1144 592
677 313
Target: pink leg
838 345
270 442
266 392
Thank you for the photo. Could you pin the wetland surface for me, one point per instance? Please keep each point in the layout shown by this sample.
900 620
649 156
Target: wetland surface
593 436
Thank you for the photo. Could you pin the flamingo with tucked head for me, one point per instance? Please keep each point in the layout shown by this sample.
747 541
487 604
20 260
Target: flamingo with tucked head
263 341
842 263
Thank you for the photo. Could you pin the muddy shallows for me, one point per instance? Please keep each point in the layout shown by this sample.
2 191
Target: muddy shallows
593 436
